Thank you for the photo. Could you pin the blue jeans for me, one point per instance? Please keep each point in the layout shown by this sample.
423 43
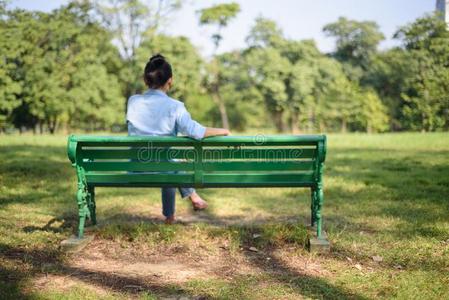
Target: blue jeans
168 199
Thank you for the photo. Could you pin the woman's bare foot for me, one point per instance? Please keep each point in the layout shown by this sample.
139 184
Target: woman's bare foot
169 220
197 202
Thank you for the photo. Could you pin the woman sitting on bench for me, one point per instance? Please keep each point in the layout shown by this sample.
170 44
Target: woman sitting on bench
156 114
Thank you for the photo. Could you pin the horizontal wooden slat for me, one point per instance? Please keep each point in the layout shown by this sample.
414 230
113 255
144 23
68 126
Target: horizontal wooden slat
145 154
273 179
147 179
258 166
142 154
250 143
204 142
138 166
257 139
277 154
209 180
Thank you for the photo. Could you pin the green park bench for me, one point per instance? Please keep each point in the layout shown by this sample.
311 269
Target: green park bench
214 162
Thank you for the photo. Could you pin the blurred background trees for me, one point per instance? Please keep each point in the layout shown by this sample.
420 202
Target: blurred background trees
75 67
219 15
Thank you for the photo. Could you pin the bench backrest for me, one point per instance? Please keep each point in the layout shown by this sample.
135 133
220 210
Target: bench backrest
233 161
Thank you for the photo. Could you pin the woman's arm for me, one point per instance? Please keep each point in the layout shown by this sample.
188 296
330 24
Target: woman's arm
194 129
216 131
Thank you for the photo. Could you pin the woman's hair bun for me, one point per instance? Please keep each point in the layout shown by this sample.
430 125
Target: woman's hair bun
157 60
157 71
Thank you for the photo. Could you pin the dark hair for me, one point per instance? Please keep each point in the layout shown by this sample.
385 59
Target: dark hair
157 72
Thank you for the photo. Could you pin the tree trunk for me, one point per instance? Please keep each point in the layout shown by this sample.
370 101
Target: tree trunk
52 125
294 122
221 107
343 126
311 120
279 121
368 128
322 126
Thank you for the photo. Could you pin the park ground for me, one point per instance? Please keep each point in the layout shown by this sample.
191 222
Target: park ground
386 213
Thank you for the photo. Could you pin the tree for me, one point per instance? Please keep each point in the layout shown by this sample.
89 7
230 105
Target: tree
297 82
264 33
60 61
9 86
219 15
242 98
356 41
304 76
268 71
387 75
371 113
132 21
426 97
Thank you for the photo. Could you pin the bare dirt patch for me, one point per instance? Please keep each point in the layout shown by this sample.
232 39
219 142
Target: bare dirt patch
130 267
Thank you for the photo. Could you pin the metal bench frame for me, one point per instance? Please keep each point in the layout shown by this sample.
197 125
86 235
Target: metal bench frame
233 161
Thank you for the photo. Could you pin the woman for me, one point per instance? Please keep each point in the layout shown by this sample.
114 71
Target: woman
156 114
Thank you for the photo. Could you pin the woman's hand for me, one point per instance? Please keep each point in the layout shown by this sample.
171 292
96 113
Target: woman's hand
216 132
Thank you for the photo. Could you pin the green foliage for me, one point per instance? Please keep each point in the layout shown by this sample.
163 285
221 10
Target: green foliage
219 15
356 41
372 115
303 86
387 75
265 32
131 22
60 62
74 67
411 81
268 69
242 98
426 99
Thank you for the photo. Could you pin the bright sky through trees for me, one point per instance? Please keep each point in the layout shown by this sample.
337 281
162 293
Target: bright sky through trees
299 19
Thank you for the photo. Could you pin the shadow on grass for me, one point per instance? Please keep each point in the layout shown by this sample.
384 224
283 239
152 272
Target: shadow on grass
14 281
20 264
409 185
304 285
272 234
55 225
36 175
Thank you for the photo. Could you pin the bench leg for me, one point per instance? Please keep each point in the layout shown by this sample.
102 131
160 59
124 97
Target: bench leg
319 204
82 198
313 207
91 204
83 211
318 243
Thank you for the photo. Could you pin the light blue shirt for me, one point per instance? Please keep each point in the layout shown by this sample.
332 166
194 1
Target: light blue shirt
155 113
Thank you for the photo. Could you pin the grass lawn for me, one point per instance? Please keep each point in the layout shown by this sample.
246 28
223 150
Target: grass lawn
386 213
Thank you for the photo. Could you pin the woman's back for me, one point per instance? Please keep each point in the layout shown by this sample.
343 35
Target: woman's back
154 113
